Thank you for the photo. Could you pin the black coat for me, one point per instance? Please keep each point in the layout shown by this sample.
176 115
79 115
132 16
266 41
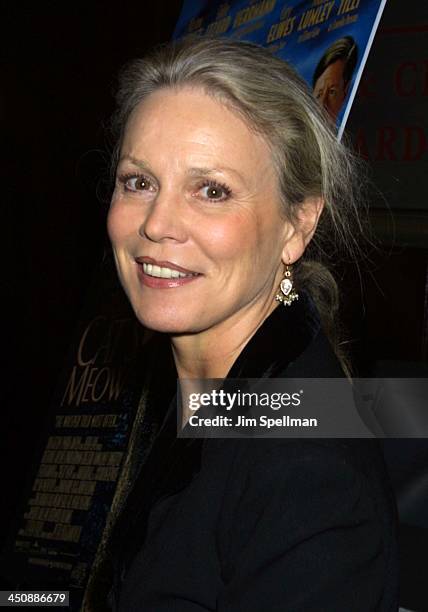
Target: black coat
260 525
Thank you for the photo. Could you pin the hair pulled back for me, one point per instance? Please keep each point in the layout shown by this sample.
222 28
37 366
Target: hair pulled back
276 103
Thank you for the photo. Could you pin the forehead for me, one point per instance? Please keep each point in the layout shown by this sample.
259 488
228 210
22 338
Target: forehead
333 73
190 123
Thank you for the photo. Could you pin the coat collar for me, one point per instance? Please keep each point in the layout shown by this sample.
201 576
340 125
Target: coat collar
278 342
282 337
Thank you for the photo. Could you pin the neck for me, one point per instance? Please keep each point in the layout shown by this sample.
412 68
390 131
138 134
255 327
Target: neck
212 352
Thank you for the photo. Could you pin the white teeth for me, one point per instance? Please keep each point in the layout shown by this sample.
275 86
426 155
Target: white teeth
161 272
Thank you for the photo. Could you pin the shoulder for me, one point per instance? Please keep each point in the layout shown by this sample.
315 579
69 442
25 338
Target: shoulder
253 455
305 487
314 507
264 462
301 478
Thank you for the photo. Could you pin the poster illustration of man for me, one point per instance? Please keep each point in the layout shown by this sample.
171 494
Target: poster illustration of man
333 74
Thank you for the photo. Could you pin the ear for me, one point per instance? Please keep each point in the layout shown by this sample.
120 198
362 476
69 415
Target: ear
303 229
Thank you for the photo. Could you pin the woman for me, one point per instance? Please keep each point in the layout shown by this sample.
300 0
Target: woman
229 180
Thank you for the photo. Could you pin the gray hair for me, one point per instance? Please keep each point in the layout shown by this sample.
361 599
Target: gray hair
276 103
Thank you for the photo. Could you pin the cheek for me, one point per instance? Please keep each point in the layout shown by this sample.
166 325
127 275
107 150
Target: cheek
246 241
228 238
341 95
120 224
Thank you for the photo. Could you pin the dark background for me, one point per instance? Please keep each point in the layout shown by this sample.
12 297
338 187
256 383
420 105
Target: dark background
58 77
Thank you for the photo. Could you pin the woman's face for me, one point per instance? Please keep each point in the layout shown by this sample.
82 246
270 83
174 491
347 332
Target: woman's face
195 219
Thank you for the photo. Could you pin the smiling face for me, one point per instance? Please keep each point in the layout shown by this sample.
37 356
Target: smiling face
195 222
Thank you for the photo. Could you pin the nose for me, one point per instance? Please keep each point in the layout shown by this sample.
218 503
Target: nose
164 220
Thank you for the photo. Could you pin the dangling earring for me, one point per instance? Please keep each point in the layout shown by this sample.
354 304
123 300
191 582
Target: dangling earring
286 295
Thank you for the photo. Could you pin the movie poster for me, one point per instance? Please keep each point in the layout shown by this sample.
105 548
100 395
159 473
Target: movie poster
75 475
326 41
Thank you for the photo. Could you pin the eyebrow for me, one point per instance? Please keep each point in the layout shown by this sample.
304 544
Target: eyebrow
197 171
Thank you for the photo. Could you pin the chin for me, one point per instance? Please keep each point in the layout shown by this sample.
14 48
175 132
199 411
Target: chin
165 321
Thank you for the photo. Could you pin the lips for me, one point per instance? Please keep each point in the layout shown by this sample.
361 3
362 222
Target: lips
163 274
149 261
